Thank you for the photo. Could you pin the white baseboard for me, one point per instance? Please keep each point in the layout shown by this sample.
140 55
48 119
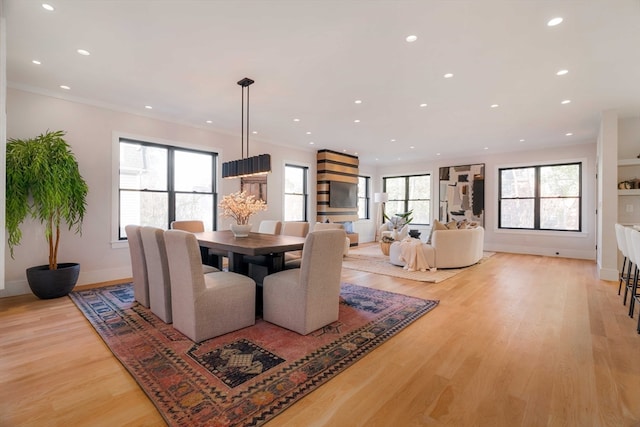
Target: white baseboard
528 250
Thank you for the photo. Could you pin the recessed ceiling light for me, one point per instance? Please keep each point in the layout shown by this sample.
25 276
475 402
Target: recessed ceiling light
437 154
65 87
522 140
555 21
566 101
355 152
344 151
448 76
358 101
311 142
148 107
308 133
209 121
47 7
393 140
296 120
356 121
486 148
255 132
412 147
35 61
562 72
83 52
569 134
411 38
494 105
423 105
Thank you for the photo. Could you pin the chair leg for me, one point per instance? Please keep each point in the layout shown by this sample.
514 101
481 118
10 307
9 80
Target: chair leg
624 264
634 288
638 328
627 282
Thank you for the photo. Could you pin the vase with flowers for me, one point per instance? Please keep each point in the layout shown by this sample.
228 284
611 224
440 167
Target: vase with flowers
240 207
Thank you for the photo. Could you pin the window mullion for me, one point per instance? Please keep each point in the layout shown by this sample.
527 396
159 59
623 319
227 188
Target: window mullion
171 185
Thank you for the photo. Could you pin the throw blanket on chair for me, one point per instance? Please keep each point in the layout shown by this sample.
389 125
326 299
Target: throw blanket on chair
413 256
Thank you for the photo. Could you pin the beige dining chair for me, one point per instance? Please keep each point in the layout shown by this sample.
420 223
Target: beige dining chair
257 265
306 299
205 305
157 272
334 226
138 264
270 226
209 256
294 228
155 253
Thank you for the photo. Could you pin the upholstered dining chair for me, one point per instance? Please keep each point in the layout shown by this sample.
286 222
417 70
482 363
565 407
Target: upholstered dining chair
266 226
334 226
157 272
270 226
307 298
294 228
626 262
138 265
209 256
155 254
205 305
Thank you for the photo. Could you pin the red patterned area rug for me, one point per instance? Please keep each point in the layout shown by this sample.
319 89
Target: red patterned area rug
247 377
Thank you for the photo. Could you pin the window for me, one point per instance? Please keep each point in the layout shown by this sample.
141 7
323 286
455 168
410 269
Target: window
546 197
160 184
363 197
295 193
409 193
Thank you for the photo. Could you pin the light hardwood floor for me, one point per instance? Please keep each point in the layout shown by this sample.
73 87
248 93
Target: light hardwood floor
516 341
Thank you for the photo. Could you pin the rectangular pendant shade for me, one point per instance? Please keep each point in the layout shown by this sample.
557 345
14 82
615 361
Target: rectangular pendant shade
256 165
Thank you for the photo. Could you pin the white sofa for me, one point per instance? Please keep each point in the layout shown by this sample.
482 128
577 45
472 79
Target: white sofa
448 248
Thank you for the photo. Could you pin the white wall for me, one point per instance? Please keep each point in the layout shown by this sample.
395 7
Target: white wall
90 132
3 130
572 245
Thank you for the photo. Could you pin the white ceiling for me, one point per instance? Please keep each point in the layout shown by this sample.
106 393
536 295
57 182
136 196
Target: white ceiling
312 59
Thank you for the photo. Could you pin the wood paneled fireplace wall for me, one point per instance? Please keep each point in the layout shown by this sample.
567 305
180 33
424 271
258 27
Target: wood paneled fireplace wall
335 167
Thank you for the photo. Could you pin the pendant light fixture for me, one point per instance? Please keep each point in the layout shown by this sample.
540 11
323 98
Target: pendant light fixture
246 166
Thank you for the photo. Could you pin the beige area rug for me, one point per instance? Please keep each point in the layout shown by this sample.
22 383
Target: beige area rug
372 260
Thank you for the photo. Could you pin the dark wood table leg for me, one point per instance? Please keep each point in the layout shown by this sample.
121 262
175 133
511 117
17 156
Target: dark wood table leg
237 264
275 262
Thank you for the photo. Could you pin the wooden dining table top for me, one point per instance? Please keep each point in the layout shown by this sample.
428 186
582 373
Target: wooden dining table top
254 244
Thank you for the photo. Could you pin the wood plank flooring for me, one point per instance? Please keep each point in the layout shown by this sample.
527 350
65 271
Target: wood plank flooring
516 341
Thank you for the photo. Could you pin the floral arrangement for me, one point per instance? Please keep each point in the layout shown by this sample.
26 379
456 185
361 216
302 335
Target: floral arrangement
241 206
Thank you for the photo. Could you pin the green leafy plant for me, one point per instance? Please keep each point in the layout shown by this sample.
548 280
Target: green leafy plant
399 220
43 182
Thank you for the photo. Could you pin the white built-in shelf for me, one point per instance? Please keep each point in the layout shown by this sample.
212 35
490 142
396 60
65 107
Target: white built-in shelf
634 192
629 162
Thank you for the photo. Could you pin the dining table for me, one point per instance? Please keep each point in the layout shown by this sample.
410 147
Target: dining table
272 246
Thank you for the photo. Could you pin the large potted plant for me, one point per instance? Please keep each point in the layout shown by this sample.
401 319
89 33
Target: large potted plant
44 183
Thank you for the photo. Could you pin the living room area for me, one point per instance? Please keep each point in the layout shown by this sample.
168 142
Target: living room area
522 323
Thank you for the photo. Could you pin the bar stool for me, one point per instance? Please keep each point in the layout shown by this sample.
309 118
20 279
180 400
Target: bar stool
632 284
626 262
